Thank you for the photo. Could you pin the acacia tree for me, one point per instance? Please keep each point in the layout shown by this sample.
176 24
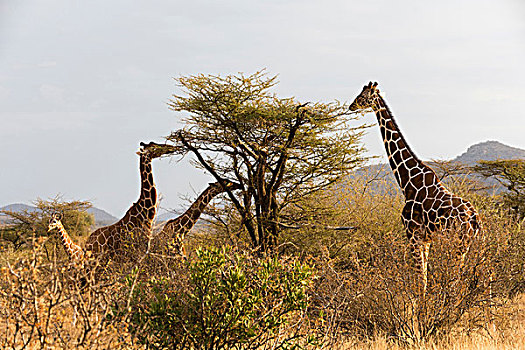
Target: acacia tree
277 149
26 223
511 174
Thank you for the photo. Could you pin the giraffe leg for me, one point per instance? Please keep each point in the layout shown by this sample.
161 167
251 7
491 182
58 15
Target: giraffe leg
179 245
420 251
465 238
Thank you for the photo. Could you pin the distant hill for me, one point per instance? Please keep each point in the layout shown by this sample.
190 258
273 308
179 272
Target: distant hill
168 215
489 150
102 217
17 207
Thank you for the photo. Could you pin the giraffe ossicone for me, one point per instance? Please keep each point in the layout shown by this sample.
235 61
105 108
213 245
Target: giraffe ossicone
429 206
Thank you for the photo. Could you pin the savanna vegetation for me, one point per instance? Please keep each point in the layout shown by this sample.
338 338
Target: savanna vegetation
310 254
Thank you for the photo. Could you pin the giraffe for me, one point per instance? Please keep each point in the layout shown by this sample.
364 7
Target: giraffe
177 228
138 220
110 241
73 250
429 206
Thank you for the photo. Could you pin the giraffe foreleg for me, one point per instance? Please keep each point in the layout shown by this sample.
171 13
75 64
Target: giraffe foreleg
178 244
420 250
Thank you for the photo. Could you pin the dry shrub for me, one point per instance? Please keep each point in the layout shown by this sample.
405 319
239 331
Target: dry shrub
380 296
367 283
44 306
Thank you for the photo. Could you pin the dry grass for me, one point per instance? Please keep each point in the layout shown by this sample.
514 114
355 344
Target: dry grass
507 336
363 296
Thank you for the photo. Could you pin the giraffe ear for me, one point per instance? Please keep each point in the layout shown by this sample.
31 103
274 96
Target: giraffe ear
56 216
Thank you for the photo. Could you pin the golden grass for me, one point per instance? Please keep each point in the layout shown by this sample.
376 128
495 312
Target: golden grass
509 334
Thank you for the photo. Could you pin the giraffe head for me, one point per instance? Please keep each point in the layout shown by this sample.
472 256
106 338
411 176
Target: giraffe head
228 185
54 221
154 150
366 99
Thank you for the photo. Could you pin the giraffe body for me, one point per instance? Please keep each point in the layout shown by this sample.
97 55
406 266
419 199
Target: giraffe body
110 241
429 206
177 228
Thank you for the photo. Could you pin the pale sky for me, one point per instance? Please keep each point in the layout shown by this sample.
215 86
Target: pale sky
83 82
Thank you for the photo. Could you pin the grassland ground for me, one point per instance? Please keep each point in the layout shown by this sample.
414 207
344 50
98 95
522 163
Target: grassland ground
331 289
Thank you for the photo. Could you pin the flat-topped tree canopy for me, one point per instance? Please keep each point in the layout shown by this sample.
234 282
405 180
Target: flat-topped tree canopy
278 149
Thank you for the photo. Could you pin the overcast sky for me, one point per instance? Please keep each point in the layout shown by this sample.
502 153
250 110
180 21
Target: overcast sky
83 82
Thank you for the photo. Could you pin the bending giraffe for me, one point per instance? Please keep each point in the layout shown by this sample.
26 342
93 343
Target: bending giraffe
429 206
177 228
109 241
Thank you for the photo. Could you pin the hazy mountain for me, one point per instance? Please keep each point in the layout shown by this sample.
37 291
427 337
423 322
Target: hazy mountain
166 216
489 150
102 217
17 207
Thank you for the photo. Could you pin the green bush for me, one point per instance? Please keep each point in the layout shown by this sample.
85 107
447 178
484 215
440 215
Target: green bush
225 300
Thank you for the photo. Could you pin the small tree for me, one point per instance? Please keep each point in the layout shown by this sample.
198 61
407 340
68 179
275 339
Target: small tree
26 223
511 174
277 149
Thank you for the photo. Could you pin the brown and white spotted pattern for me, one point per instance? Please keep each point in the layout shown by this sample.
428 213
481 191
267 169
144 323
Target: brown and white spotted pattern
137 222
74 251
177 228
429 206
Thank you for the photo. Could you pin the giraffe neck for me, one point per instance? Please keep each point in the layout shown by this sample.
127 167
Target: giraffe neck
142 212
404 163
186 221
73 250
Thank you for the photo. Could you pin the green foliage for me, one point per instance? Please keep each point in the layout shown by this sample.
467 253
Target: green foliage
26 224
511 174
224 300
277 148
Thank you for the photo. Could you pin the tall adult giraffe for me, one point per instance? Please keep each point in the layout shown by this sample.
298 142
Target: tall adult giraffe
177 228
429 206
109 241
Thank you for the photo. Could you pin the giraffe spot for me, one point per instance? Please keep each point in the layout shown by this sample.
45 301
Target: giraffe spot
431 192
388 134
395 136
416 178
403 172
411 163
429 178
410 191
184 221
421 194
396 156
456 202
